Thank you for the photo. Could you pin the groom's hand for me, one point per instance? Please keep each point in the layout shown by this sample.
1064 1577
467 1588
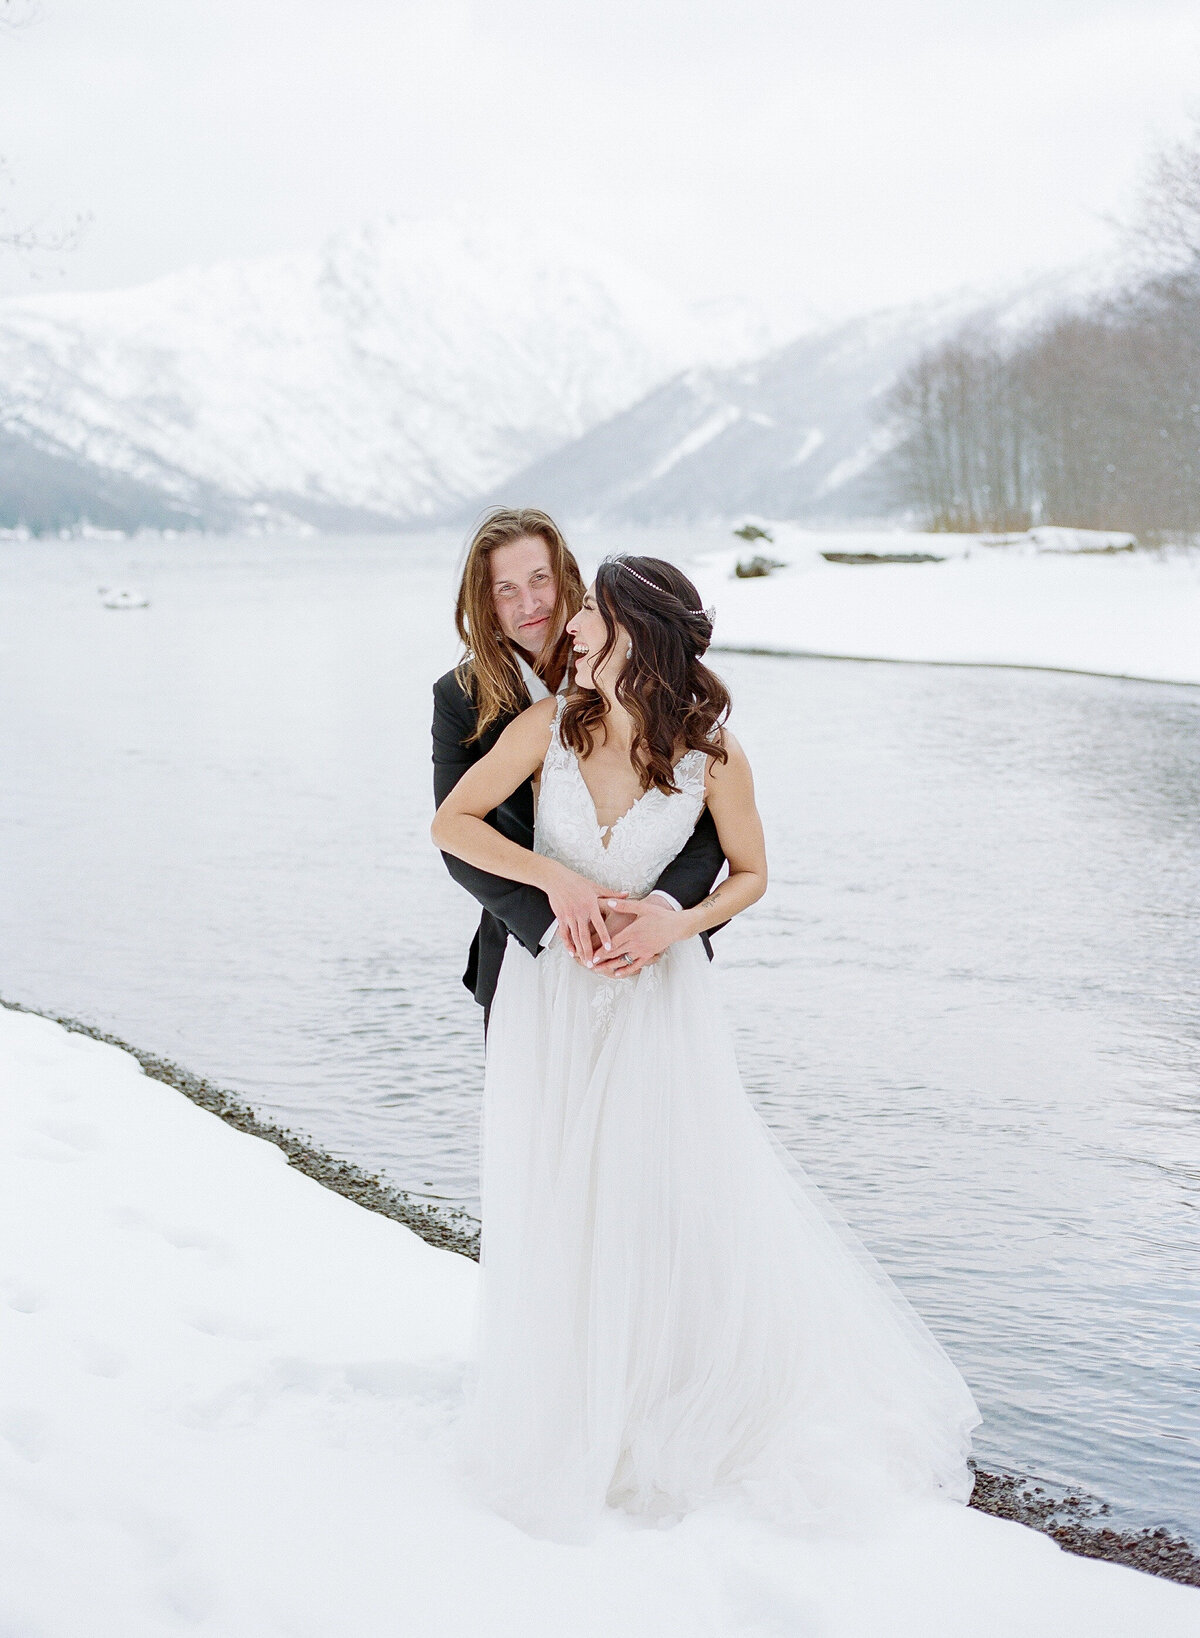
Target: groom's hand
615 921
575 902
640 931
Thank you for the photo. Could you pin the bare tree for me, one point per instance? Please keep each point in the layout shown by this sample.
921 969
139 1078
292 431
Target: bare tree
1093 420
30 236
961 458
1164 232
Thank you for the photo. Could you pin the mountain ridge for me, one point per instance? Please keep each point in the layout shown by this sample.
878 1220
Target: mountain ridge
415 371
799 433
390 375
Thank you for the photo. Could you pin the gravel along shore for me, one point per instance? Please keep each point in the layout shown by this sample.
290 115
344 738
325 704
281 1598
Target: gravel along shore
1071 1517
439 1225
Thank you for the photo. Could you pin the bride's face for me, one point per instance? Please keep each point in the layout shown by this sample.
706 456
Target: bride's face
588 635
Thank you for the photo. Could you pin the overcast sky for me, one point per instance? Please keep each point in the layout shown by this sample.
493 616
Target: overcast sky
814 157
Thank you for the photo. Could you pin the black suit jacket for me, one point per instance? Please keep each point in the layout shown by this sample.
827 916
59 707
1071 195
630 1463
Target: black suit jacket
514 907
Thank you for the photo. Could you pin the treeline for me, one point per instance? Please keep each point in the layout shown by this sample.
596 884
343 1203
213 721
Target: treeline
1091 421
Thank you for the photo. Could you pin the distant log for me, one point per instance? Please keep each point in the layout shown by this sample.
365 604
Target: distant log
881 557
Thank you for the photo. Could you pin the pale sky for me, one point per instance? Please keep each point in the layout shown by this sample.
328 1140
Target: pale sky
812 157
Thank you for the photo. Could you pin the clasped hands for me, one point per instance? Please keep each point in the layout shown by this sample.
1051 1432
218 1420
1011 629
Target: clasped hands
601 929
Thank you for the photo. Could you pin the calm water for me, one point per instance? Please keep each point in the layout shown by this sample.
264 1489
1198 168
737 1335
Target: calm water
968 1004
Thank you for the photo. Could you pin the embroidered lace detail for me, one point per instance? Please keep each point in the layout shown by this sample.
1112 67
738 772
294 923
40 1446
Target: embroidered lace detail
602 1006
641 843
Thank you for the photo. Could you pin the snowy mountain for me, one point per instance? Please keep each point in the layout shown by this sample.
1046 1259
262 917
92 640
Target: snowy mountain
415 370
796 434
389 377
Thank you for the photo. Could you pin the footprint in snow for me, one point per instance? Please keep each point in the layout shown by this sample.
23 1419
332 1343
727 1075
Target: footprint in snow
73 1134
231 1326
26 1299
26 1431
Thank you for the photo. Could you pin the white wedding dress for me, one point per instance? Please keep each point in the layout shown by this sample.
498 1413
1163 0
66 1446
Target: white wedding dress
671 1315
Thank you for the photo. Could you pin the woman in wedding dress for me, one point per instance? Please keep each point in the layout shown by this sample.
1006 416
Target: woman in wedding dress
671 1314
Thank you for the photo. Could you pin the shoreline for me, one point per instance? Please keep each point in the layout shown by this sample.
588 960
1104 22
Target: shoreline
961 665
440 1226
1125 615
1071 1517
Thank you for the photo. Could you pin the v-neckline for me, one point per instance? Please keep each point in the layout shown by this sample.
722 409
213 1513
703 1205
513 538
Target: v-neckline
620 820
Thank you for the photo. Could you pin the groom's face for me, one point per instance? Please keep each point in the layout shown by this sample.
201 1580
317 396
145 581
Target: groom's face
524 593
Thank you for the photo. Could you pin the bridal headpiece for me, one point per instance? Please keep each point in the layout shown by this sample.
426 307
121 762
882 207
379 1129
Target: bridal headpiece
709 613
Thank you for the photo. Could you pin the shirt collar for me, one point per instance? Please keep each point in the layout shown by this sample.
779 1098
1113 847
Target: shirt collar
534 685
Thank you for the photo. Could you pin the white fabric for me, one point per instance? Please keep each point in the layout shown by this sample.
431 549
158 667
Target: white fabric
670 1312
534 685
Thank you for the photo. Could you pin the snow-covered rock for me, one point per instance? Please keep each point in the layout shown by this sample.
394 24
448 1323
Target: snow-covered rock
227 1409
123 597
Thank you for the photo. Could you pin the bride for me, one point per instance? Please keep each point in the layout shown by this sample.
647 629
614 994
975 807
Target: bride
671 1314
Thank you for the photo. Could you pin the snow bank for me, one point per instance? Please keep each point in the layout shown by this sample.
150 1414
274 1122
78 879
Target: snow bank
228 1402
1052 598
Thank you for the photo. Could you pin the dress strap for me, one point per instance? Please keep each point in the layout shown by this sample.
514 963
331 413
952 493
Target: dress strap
557 752
690 772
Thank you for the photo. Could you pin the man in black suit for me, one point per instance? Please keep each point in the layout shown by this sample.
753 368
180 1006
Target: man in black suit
520 585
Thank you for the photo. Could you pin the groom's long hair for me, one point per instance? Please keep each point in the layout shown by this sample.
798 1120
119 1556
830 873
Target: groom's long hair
673 698
488 671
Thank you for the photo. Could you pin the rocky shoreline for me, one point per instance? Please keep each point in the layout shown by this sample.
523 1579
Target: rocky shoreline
1071 1517
1074 1520
439 1225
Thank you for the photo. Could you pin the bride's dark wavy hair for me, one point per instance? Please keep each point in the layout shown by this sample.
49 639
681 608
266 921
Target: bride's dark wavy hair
673 699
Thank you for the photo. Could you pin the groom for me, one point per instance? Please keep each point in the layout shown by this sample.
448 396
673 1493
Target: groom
520 586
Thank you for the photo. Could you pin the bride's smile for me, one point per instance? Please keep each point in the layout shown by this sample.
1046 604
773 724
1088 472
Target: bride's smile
591 647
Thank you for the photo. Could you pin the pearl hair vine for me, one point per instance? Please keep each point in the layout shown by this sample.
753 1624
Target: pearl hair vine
709 613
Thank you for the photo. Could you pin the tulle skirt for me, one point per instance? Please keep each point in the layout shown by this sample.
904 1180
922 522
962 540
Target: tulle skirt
671 1314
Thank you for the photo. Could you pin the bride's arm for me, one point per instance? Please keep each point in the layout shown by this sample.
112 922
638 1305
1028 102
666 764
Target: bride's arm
730 787
460 827
730 792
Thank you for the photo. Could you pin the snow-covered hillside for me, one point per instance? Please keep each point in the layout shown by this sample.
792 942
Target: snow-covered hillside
417 370
394 373
796 433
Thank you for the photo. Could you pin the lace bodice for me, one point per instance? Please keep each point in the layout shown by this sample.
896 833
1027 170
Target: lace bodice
644 839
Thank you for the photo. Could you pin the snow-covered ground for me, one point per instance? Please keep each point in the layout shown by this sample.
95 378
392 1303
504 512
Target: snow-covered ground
228 1408
1052 599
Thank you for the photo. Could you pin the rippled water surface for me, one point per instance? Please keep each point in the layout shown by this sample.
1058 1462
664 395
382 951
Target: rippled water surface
967 1005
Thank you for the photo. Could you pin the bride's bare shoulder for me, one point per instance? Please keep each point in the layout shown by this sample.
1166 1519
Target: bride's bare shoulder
541 711
736 766
533 725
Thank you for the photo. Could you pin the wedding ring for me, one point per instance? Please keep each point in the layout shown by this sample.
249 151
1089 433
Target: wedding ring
627 959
